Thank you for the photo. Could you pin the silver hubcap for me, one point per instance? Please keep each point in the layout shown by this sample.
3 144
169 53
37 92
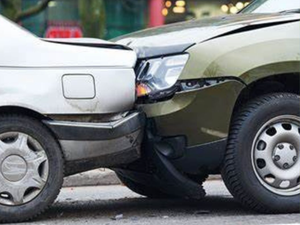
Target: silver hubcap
14 168
24 168
276 155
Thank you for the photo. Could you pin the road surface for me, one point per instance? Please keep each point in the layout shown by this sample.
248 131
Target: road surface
112 205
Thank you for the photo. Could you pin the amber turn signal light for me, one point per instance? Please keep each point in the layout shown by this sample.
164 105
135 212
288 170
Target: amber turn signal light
142 90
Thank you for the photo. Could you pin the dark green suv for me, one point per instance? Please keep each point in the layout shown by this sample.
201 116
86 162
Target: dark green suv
222 96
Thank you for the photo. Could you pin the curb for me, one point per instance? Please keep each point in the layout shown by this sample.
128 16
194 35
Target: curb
101 177
96 177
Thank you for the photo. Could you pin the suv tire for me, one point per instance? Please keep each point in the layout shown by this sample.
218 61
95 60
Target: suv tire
263 152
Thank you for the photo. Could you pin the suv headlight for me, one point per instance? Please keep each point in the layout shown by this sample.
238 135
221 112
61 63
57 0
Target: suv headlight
160 74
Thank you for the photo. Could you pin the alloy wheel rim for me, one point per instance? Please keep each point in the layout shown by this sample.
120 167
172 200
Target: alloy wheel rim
24 168
276 155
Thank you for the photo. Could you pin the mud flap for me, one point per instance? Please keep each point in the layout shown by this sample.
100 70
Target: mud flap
164 176
171 181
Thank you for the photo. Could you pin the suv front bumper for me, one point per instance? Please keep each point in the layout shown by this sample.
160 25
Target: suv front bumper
93 145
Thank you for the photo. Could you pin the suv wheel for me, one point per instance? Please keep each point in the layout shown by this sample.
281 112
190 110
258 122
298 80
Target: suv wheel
262 163
31 168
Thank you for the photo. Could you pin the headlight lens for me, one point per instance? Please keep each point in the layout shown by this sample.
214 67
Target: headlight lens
159 74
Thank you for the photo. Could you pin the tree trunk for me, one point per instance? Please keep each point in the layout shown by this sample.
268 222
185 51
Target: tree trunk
92 18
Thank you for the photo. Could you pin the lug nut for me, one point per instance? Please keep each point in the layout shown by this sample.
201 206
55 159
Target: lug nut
292 147
277 158
280 146
286 166
294 158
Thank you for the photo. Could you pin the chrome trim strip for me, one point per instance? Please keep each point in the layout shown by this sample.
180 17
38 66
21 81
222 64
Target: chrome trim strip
107 125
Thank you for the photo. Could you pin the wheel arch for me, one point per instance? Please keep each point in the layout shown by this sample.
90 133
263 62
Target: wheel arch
21 110
287 82
18 110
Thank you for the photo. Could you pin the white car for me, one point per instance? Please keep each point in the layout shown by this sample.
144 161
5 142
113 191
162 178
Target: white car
65 107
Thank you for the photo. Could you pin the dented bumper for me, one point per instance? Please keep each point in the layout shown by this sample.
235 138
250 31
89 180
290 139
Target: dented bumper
106 144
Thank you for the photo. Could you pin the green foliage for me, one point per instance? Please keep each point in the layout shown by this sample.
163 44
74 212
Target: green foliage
12 9
92 14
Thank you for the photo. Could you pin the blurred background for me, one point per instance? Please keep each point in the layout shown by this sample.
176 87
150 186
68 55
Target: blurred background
107 19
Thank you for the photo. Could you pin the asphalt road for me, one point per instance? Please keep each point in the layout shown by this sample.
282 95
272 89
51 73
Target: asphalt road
111 205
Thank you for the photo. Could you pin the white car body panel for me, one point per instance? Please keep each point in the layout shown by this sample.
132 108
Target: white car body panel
31 72
41 90
78 40
22 49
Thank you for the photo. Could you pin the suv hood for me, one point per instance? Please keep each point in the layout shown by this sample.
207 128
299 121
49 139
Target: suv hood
176 38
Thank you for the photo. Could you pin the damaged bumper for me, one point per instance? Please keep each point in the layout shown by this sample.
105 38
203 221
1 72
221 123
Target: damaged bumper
91 145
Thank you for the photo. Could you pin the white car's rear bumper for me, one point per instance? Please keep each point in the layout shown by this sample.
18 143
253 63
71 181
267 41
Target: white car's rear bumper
92 145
